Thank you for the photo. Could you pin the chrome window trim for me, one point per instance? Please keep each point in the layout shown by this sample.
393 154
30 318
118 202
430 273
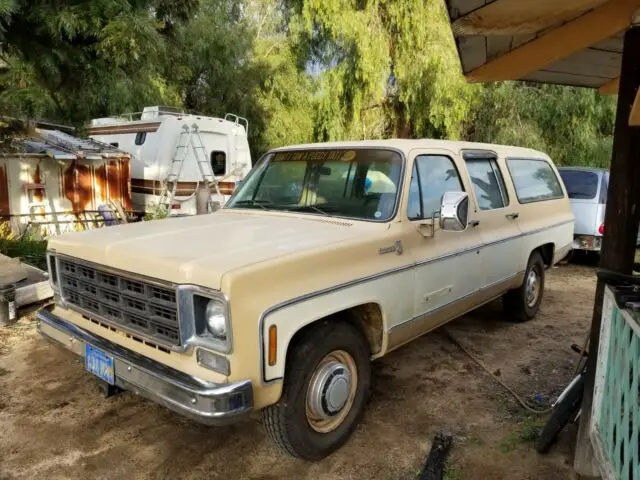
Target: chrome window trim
414 167
401 179
375 276
492 158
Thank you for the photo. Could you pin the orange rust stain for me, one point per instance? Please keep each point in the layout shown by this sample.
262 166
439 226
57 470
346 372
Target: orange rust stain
38 194
86 188
78 186
119 182
5 208
100 180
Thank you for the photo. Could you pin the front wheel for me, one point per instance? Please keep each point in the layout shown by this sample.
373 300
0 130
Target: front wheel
523 303
326 384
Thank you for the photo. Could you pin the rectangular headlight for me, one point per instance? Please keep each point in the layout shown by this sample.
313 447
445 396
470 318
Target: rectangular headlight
204 317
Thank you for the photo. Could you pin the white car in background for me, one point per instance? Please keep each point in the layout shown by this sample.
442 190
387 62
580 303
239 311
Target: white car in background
587 190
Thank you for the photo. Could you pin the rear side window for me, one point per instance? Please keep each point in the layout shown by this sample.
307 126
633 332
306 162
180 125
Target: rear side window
488 184
534 180
580 185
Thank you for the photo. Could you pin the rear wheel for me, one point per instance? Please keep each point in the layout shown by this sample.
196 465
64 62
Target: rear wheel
523 303
326 384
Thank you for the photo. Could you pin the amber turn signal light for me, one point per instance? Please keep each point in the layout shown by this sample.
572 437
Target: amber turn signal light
273 345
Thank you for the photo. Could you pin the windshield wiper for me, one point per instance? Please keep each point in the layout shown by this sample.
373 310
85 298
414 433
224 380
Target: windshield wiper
250 202
310 207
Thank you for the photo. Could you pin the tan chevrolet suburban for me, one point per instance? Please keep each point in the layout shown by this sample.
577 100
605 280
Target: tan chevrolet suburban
326 257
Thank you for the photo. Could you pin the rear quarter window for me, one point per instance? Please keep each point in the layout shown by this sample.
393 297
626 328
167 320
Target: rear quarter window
580 184
534 180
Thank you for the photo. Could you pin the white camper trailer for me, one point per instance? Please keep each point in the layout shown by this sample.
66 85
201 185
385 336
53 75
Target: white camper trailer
174 155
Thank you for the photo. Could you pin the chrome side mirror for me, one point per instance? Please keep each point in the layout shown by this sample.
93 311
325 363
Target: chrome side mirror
454 212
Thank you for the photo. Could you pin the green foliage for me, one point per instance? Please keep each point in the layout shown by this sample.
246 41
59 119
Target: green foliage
574 126
72 60
299 70
28 248
528 431
156 212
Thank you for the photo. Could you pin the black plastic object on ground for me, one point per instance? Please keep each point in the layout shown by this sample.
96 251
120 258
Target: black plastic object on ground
8 314
434 466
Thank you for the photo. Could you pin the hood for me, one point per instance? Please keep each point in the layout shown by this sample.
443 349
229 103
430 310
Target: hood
200 249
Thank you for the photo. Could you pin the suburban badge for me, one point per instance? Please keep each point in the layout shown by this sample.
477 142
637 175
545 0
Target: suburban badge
396 247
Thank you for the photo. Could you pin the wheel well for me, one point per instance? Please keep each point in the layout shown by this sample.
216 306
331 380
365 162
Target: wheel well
546 251
367 317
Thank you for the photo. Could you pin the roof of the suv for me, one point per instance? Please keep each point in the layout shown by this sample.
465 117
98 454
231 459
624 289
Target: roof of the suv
408 145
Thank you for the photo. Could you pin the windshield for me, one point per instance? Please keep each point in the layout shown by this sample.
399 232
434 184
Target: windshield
580 184
361 184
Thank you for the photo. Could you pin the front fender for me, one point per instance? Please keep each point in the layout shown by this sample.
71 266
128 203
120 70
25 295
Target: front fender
291 316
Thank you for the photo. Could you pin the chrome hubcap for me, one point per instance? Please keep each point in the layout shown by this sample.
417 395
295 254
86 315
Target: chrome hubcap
331 391
532 290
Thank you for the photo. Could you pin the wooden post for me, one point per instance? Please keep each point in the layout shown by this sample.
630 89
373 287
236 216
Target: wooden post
622 218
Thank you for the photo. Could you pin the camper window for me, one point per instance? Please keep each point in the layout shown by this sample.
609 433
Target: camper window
141 137
218 162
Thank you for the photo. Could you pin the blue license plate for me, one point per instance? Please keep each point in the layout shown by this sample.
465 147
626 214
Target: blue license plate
99 363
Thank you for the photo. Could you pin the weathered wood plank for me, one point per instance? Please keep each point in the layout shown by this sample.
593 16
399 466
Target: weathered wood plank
565 78
473 52
595 63
458 8
11 270
574 36
612 44
498 45
610 87
511 17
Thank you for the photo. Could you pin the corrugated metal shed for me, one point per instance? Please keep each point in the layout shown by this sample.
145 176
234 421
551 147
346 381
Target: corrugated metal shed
51 179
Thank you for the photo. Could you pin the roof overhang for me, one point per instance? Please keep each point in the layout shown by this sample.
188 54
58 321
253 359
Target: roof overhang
565 42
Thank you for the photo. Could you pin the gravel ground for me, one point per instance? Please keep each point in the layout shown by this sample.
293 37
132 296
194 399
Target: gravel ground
54 423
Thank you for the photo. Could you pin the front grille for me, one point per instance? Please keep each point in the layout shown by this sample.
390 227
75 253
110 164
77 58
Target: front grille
137 306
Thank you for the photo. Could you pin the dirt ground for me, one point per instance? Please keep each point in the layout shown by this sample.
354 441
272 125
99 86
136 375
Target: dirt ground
54 423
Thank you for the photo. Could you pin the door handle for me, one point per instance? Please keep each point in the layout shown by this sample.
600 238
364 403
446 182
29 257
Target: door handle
512 216
474 223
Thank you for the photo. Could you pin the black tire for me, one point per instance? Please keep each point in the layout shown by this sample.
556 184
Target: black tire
515 301
562 413
286 422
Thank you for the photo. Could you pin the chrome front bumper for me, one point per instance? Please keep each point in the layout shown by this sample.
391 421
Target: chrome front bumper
205 402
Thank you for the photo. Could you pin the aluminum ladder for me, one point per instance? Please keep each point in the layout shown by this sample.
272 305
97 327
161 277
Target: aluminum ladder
189 137
204 165
170 183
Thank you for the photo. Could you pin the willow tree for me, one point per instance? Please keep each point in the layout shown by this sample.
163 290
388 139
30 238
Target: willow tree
574 125
72 60
285 93
385 68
